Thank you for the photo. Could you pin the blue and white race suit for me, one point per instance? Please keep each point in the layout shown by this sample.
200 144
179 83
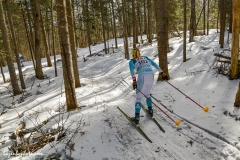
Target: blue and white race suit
145 79
21 59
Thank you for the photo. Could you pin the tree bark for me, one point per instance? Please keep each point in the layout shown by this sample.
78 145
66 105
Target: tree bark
31 36
72 43
114 25
145 19
204 17
38 55
28 36
192 22
134 25
6 43
222 10
53 39
230 9
149 6
208 9
67 67
103 25
234 71
139 21
185 31
86 12
125 37
46 45
15 45
162 34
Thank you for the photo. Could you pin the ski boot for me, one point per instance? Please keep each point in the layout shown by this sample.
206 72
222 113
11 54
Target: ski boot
150 111
136 118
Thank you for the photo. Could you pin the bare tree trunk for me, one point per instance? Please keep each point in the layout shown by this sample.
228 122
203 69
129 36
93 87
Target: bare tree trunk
125 37
6 43
38 55
222 10
28 37
162 31
218 21
48 34
229 5
208 9
128 19
185 31
103 26
108 31
72 43
234 71
134 25
47 50
110 27
86 11
145 19
204 17
74 23
30 24
53 39
139 20
192 22
67 67
149 6
15 45
114 25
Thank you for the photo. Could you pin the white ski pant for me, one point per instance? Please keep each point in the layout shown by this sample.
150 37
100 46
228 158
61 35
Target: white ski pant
144 84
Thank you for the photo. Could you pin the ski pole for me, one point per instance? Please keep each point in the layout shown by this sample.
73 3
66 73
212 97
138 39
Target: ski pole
205 108
177 122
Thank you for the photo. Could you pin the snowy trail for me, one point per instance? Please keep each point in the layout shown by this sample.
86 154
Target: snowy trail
205 147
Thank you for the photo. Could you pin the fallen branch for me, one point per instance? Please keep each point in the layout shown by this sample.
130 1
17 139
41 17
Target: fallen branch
223 56
34 129
31 147
19 128
226 61
49 133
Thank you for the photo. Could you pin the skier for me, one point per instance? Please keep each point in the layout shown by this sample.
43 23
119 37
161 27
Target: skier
143 66
21 59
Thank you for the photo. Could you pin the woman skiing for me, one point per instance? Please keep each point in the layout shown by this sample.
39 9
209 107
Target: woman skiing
21 59
143 84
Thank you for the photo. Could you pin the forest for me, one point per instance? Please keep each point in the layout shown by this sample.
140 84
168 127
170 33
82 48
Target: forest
65 35
40 29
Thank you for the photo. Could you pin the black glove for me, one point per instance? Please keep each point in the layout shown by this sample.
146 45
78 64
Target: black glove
134 83
164 76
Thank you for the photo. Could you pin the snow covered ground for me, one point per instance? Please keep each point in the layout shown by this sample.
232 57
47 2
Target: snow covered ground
99 131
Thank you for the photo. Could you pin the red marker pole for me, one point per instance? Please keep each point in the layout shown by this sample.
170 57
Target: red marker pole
204 108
